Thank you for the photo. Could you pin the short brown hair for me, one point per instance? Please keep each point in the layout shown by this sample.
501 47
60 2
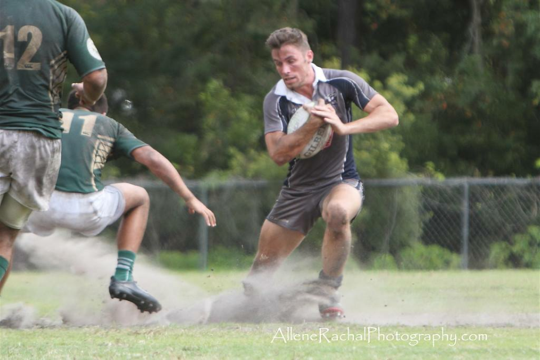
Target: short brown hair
288 36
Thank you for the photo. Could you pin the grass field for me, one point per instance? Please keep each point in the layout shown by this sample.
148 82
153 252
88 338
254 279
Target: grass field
391 315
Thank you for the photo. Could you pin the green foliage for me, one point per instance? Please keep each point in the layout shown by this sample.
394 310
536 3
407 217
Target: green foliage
383 262
255 164
390 224
522 252
428 257
230 125
219 258
499 255
176 260
201 69
525 248
431 172
463 113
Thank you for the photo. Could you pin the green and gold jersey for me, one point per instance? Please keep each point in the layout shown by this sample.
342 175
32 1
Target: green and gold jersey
88 141
37 39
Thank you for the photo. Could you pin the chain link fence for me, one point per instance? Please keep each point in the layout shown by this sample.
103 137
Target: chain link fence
404 223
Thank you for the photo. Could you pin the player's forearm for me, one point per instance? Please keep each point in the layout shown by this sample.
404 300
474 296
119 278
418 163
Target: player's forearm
166 172
162 168
382 117
94 85
287 147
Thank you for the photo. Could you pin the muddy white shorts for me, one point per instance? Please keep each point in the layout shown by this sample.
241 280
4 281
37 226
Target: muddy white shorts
29 164
86 214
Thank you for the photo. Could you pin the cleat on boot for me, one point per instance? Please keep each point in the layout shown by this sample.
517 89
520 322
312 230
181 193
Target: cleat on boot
130 291
332 311
330 307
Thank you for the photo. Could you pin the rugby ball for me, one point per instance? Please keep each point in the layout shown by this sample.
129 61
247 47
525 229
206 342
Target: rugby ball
320 140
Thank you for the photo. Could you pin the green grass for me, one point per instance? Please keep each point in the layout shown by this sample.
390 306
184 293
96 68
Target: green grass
387 294
236 341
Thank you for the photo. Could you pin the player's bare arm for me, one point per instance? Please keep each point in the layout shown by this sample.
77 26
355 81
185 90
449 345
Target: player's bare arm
92 87
282 147
381 116
165 171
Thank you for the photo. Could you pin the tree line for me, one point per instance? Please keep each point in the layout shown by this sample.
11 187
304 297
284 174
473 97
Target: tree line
189 78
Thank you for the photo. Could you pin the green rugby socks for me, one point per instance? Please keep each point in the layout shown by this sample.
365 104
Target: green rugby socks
124 267
4 265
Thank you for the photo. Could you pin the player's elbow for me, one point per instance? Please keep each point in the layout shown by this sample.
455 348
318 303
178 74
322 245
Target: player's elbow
278 150
97 80
391 117
279 159
394 119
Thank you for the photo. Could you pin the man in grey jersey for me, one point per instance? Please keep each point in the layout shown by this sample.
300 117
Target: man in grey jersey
37 39
326 185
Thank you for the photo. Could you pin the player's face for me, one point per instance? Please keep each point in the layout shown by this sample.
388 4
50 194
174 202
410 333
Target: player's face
294 66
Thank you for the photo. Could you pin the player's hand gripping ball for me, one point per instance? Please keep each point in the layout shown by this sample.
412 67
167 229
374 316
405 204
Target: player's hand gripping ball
318 141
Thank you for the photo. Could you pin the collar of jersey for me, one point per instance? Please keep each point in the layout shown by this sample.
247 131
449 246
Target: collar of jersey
295 97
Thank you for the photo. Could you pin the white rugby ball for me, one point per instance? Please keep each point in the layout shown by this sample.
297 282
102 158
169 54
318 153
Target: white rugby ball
318 141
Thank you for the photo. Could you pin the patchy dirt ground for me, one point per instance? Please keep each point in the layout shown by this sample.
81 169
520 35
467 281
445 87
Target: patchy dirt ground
368 300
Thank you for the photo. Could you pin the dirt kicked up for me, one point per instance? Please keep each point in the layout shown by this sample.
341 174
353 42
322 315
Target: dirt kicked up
369 298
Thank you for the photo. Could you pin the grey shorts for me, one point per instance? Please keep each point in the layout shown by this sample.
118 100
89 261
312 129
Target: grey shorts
298 210
29 164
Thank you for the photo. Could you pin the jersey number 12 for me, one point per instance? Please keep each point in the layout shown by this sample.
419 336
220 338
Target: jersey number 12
8 37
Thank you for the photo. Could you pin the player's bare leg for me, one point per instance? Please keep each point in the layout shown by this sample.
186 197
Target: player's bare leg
13 216
276 243
339 208
7 241
133 225
129 238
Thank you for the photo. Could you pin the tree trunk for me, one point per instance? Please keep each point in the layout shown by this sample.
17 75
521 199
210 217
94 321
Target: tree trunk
474 45
346 29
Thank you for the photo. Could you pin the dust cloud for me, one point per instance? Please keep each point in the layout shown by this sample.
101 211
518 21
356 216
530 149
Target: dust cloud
87 302
291 299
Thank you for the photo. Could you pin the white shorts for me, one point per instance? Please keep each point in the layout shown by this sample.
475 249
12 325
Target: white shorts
86 214
29 164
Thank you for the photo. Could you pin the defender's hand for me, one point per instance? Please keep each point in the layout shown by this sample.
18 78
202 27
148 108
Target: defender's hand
79 93
195 206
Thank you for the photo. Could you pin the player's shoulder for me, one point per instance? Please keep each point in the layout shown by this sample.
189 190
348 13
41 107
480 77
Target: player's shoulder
68 14
272 93
271 98
336 74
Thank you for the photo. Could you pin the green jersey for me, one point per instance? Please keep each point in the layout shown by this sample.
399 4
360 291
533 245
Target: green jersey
37 38
88 141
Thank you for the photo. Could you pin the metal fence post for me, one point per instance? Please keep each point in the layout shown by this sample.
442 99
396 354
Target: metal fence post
203 231
465 227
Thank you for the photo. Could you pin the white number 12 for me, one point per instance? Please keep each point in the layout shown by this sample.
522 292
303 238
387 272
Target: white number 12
24 63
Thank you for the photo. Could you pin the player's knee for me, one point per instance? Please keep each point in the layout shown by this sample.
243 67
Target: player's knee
142 196
336 217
